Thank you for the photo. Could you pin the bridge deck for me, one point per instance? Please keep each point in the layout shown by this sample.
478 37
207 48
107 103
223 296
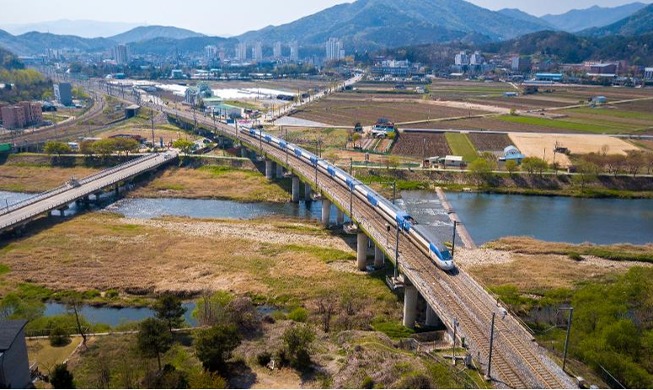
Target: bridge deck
23 212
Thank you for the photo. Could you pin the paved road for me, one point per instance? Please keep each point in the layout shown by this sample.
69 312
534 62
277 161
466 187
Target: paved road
23 212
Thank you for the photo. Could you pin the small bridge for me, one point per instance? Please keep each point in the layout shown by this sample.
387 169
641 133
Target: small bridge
17 215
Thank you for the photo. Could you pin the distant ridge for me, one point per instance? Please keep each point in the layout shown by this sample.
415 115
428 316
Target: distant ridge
369 24
578 20
641 22
526 17
80 28
144 33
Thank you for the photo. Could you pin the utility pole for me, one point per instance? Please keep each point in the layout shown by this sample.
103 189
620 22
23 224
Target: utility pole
396 273
453 344
453 240
564 358
489 363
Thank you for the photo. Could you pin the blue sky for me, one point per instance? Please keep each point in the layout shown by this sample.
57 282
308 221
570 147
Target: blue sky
222 17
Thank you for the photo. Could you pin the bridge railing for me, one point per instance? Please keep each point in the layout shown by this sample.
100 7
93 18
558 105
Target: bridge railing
55 191
72 198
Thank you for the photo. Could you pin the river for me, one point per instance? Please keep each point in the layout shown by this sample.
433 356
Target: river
557 219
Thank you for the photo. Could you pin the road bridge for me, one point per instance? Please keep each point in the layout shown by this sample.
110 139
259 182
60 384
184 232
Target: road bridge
459 302
17 215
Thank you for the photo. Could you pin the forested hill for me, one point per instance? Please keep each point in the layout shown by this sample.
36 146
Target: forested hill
561 47
20 83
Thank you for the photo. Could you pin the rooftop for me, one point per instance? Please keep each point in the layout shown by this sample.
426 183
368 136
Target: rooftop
9 330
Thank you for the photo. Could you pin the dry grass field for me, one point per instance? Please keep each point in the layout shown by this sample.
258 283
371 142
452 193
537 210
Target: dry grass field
30 178
214 182
277 258
542 146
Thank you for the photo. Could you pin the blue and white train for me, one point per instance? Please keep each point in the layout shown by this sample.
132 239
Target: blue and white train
438 253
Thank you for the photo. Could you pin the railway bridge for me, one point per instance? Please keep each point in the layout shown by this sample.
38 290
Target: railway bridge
454 299
16 216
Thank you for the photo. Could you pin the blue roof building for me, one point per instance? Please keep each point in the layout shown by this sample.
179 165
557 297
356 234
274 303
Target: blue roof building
512 153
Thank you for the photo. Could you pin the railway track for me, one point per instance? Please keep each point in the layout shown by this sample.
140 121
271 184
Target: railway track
65 131
517 361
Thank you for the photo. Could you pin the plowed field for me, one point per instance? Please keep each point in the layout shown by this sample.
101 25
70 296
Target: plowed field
421 145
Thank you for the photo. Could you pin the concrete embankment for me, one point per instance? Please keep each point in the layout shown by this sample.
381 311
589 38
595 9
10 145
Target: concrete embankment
461 230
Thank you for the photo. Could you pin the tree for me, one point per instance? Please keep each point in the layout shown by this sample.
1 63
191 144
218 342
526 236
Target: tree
153 339
585 172
480 170
74 304
61 378
169 309
534 165
355 138
214 346
55 147
104 147
511 166
184 145
87 147
635 160
297 341
126 145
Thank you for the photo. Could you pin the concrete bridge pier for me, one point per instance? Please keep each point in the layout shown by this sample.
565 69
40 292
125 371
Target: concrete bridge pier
379 257
326 211
410 305
116 190
279 171
431 318
307 192
295 189
62 211
361 251
340 217
97 196
269 169
243 152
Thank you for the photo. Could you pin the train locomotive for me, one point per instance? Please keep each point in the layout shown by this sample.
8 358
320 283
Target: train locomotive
438 253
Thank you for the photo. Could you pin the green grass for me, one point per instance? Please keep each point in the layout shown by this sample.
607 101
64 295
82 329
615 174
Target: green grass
4 269
614 113
461 146
392 329
598 128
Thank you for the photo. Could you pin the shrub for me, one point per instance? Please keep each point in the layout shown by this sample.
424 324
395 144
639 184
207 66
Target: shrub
59 337
263 358
575 256
298 315
368 383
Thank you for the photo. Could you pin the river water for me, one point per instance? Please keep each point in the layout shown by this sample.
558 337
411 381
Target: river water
559 219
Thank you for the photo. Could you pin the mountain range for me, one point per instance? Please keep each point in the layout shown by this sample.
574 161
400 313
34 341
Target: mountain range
364 25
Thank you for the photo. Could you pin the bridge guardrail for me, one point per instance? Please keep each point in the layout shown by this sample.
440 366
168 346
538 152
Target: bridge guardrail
65 187
93 188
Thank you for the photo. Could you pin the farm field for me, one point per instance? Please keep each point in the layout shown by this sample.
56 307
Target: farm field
346 110
422 145
489 142
540 146
461 146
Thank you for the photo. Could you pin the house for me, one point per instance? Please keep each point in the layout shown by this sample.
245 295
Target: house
512 153
14 364
453 162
